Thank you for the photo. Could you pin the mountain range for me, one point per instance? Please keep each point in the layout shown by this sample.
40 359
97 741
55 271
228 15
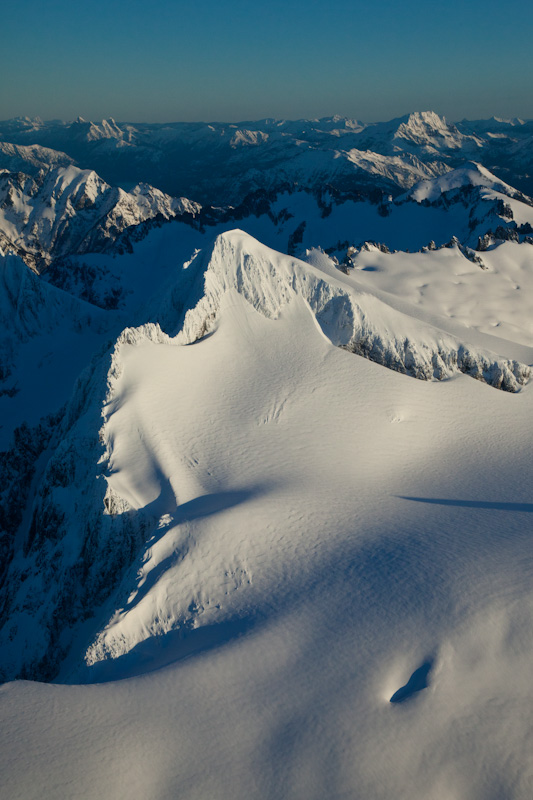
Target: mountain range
216 163
265 395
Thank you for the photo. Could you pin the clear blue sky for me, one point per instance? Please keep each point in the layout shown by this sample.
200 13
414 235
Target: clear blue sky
169 60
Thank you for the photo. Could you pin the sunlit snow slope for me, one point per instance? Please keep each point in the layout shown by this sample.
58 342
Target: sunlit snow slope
334 596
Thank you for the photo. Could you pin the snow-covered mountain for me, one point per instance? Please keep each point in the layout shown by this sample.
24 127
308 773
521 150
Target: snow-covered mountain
83 461
265 481
31 159
473 209
67 210
217 163
423 133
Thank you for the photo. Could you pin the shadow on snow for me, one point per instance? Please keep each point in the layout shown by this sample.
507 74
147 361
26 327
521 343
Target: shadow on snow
489 505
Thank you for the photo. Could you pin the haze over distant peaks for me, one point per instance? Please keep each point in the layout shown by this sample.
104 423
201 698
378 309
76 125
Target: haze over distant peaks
222 162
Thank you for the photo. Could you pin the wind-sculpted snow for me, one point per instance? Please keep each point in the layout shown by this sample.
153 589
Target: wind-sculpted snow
329 536
356 321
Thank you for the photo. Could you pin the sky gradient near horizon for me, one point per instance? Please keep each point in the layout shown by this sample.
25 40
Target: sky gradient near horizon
237 60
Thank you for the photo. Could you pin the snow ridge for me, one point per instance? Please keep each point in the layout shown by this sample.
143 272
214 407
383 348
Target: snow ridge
359 323
470 174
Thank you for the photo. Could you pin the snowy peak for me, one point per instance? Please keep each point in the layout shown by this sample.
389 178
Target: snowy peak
427 129
69 210
359 322
152 200
486 209
470 174
421 123
31 159
74 188
245 138
93 132
423 133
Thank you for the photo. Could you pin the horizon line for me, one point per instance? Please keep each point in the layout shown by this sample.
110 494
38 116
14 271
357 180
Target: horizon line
517 120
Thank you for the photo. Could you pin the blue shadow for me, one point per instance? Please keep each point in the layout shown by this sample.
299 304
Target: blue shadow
157 652
417 682
491 506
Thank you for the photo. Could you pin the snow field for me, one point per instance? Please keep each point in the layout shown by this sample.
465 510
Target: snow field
345 588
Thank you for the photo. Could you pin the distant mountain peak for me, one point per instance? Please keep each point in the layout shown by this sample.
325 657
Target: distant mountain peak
427 118
470 173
